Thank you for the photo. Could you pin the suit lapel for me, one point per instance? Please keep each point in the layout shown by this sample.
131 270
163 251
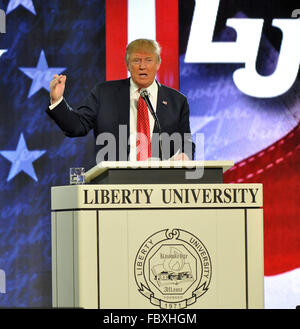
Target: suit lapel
161 106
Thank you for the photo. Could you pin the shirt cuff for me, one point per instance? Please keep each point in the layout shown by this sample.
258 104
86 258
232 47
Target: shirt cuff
52 106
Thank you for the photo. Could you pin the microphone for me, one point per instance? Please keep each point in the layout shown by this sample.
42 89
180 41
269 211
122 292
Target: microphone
145 95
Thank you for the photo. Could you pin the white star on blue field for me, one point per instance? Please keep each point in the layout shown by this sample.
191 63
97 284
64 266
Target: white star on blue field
13 4
22 159
41 75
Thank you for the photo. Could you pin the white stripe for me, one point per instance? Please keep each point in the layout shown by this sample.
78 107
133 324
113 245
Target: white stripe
283 290
141 19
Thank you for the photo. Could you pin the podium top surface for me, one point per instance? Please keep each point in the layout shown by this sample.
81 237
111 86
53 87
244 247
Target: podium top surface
154 164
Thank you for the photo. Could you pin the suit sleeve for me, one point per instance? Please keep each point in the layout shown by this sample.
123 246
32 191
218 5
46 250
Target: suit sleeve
79 122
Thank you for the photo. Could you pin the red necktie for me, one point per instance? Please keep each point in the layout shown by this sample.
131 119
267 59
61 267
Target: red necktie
143 142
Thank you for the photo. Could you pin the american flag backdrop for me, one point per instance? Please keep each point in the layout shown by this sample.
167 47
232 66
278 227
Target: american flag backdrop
42 37
86 40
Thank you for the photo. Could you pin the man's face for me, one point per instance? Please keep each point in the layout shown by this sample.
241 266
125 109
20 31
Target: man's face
143 67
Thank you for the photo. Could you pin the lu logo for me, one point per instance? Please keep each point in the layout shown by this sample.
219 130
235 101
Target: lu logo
201 49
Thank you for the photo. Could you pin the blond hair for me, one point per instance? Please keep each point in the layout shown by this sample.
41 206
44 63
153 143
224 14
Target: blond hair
146 45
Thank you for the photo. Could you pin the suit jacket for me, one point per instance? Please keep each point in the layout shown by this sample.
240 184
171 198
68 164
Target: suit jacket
107 107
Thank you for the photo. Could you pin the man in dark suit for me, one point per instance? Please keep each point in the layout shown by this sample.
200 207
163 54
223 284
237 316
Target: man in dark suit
113 109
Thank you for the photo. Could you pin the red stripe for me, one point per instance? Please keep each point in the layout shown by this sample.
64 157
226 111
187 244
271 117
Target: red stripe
116 38
167 36
277 168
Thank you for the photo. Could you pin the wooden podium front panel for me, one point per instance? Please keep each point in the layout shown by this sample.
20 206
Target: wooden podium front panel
255 257
178 258
113 255
75 281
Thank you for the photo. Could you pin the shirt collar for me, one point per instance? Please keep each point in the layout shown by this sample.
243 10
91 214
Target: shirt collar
151 89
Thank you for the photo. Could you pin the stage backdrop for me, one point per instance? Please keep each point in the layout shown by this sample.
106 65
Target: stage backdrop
250 116
239 67
42 38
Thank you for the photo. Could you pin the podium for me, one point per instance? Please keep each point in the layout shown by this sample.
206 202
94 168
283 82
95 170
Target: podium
157 235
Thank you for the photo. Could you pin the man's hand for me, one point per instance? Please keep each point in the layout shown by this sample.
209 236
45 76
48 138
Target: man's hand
57 87
180 157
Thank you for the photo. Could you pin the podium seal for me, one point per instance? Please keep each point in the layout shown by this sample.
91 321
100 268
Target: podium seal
172 269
